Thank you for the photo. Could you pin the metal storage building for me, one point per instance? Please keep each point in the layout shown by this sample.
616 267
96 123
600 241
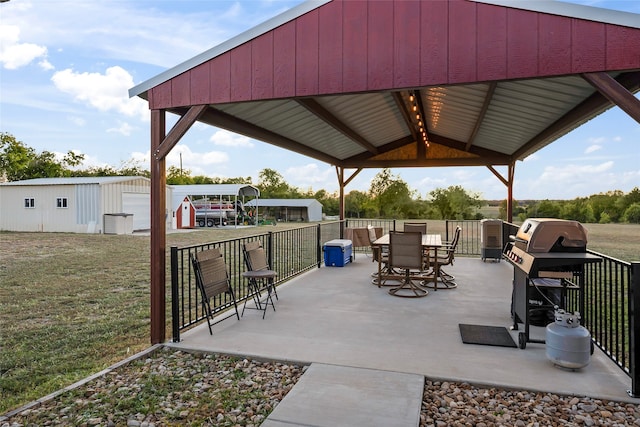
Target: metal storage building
77 204
290 209
213 192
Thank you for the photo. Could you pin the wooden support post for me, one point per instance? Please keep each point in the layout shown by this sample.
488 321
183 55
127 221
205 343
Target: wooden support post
511 171
158 229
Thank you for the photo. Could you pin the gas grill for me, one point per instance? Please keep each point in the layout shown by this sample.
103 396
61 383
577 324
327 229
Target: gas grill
548 256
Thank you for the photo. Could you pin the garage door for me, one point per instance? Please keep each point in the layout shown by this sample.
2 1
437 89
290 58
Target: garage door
138 204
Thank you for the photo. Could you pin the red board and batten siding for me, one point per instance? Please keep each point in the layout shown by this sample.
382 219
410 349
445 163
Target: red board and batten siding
355 46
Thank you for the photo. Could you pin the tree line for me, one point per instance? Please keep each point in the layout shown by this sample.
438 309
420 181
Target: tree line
387 197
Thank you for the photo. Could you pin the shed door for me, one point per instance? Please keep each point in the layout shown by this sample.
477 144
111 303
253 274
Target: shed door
138 204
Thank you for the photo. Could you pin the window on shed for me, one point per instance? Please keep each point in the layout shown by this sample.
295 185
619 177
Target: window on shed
61 202
29 202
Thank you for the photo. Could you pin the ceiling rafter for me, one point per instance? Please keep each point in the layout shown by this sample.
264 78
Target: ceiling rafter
314 107
461 146
483 112
406 115
584 110
416 163
407 140
611 89
215 117
422 142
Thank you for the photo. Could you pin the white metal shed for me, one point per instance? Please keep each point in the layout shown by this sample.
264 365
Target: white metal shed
214 193
76 204
289 209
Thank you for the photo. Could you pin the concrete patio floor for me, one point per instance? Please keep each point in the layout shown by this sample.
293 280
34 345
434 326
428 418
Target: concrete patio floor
335 316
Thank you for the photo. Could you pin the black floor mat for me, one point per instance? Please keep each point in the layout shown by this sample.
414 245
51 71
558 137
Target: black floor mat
486 335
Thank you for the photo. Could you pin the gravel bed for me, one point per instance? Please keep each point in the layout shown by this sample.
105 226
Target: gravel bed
173 388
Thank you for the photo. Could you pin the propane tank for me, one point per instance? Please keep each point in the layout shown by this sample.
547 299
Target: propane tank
568 344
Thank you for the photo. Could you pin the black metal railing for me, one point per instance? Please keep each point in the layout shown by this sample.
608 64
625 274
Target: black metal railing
611 304
290 252
611 294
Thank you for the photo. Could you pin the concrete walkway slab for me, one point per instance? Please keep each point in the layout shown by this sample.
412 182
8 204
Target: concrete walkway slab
331 395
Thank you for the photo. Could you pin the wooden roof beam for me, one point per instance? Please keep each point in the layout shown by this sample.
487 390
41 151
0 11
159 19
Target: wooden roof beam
314 107
461 146
420 142
178 130
483 112
615 92
407 140
418 163
406 115
581 113
223 120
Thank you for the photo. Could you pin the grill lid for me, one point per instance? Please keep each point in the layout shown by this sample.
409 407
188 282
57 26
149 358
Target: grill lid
552 235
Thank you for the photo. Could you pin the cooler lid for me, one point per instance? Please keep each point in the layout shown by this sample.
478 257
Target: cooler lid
338 242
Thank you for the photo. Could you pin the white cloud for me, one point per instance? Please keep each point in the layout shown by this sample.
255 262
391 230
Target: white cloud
124 129
229 139
78 121
429 183
90 161
597 140
570 181
309 176
46 65
592 148
14 54
104 92
196 162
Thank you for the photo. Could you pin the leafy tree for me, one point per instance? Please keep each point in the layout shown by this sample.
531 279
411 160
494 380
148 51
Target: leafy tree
390 195
330 202
272 185
518 210
18 161
632 214
633 196
178 176
604 218
547 209
606 203
455 203
202 179
14 158
355 204
578 210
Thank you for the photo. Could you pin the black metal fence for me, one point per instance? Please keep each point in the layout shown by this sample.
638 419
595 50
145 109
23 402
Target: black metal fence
611 312
290 252
612 288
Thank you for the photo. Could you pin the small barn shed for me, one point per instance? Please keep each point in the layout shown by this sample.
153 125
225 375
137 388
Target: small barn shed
289 209
76 204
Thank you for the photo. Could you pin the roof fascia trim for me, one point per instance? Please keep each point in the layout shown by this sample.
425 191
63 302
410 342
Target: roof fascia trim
590 13
226 46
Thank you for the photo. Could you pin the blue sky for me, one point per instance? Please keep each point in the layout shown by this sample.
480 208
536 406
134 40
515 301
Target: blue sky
66 67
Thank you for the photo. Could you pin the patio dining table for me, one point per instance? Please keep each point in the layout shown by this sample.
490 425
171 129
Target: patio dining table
429 241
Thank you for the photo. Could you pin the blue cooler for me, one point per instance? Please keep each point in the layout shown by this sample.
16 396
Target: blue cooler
337 252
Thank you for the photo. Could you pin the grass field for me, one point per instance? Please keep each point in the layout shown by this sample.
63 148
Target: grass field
73 304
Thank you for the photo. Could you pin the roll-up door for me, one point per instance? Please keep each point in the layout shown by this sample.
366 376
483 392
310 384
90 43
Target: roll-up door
138 204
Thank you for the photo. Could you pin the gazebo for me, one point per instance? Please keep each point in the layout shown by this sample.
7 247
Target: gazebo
373 84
